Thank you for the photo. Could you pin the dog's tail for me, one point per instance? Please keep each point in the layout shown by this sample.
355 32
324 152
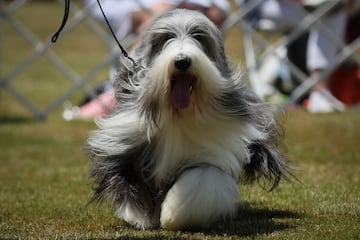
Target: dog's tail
266 161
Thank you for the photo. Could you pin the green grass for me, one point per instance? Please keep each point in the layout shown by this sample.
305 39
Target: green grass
44 186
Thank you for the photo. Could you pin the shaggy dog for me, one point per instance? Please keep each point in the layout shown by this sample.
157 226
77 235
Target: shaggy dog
185 131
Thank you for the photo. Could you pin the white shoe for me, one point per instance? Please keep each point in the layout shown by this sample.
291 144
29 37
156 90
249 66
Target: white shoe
70 112
322 101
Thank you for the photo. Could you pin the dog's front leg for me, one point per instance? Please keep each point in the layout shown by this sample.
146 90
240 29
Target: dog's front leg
198 198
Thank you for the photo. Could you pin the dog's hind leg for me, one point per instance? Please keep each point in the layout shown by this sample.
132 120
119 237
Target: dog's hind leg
198 198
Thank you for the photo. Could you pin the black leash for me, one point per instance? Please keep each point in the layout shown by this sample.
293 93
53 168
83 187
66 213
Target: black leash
66 15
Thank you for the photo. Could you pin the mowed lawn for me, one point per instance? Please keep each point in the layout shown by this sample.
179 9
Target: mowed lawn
44 185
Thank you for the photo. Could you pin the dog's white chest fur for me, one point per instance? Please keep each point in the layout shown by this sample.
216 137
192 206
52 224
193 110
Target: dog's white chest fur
218 142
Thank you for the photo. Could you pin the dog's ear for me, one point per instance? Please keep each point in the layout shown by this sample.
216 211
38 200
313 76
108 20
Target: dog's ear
126 80
266 161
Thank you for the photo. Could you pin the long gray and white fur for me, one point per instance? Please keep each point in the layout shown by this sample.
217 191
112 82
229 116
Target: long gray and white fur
185 132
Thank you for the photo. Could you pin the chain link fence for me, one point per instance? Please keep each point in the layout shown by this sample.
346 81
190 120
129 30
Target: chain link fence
74 73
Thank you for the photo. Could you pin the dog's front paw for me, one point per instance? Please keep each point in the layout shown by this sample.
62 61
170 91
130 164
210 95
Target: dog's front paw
137 217
198 198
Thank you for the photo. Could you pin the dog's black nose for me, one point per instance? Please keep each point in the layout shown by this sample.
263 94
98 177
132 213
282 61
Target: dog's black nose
182 62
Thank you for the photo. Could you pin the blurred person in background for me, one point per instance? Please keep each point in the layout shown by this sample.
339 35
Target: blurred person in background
317 49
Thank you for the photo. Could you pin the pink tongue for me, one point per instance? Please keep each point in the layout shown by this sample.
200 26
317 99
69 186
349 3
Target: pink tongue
180 91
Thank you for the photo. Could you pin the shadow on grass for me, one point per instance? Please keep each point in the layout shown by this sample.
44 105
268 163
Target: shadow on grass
254 221
16 119
249 222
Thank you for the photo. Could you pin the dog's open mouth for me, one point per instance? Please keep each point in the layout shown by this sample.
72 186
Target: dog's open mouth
182 85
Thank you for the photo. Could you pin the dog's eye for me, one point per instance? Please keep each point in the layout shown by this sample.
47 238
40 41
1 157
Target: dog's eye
200 37
162 39
203 40
159 41
166 37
